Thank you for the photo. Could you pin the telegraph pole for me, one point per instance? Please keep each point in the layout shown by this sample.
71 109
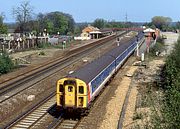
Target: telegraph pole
126 18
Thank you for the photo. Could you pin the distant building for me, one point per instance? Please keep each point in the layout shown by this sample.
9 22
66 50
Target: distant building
89 32
106 31
154 33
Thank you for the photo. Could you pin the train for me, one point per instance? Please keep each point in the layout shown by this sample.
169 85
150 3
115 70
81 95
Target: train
77 90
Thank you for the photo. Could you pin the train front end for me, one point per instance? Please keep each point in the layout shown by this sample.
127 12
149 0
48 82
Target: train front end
72 94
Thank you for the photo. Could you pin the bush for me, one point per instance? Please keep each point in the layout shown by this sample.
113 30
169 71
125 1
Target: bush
6 63
44 45
42 53
137 116
171 109
158 47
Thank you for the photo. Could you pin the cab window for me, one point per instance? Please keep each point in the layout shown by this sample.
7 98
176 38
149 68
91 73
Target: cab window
70 89
81 89
61 88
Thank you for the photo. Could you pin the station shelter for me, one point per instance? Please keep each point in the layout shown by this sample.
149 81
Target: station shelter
90 32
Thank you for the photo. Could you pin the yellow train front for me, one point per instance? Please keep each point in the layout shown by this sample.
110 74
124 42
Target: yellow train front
72 94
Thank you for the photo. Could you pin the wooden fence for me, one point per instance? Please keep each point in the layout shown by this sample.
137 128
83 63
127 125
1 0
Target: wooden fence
22 44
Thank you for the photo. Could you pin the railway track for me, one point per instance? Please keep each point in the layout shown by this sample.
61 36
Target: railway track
68 124
12 80
34 117
63 123
37 115
31 117
37 75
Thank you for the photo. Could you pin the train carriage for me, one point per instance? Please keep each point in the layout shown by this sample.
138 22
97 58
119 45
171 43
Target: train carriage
77 90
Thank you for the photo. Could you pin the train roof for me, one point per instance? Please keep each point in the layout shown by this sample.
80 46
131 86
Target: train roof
91 70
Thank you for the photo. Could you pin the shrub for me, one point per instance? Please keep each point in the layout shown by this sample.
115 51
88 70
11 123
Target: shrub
44 45
137 116
6 63
171 109
158 47
42 53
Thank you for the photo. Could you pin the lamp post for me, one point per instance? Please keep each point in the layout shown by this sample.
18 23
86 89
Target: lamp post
58 36
64 44
118 41
45 32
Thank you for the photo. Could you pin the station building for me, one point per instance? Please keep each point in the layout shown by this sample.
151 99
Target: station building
91 32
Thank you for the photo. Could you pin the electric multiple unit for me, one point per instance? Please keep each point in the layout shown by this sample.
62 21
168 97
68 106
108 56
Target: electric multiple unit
77 90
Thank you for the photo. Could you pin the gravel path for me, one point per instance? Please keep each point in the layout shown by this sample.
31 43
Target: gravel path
114 106
128 120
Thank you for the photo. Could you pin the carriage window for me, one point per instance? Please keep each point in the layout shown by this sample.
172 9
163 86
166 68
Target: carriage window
70 89
81 89
61 88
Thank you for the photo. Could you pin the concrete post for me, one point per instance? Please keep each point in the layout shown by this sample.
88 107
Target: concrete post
33 43
9 44
23 44
142 57
137 49
28 43
18 45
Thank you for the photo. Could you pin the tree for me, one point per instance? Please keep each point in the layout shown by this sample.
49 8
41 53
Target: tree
56 22
161 22
99 23
115 24
23 14
178 25
3 27
48 25
71 23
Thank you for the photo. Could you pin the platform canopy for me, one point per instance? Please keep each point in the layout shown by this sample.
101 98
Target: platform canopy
149 30
95 32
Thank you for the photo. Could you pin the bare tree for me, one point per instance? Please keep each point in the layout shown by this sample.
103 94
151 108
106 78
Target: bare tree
23 14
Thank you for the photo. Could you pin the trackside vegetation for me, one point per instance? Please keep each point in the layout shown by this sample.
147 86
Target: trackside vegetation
158 47
167 115
6 64
162 97
171 108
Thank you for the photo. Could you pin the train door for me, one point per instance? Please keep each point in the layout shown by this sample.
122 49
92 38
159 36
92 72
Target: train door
70 95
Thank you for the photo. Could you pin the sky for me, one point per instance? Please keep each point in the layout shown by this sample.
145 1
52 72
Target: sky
89 10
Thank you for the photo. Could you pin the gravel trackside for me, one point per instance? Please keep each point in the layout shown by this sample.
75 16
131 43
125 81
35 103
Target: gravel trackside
113 108
128 119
